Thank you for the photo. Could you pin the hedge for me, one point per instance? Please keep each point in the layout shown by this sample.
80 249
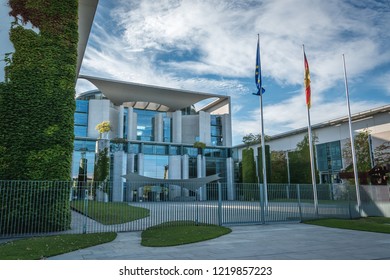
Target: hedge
34 207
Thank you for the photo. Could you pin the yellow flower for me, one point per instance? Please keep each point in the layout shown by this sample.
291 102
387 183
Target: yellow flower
103 127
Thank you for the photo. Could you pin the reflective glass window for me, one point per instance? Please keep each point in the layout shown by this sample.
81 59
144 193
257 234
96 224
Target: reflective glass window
85 158
80 131
154 165
81 119
82 106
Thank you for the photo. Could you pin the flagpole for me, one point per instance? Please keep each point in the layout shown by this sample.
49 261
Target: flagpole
263 152
355 172
260 94
313 176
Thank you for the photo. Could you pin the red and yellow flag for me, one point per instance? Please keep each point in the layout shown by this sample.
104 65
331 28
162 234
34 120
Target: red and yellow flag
307 82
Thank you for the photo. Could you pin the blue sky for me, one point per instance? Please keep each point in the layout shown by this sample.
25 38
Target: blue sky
210 46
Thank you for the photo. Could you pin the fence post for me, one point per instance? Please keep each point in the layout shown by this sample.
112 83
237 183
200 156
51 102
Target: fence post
299 202
262 207
349 202
219 204
85 210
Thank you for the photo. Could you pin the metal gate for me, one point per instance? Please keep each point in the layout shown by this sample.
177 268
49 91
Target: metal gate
35 208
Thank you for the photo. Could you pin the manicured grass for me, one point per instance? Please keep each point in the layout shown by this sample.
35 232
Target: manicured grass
179 233
373 224
110 213
42 247
311 201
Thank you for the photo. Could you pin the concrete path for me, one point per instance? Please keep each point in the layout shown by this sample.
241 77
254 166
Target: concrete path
289 241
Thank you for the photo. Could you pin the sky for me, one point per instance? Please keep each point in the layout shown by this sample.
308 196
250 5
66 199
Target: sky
210 46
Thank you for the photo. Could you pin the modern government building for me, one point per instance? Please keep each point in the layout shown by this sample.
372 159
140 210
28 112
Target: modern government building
154 130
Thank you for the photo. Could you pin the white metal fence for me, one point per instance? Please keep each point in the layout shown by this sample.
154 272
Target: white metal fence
36 208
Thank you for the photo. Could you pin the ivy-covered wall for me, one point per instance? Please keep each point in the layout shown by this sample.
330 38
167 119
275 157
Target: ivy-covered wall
37 98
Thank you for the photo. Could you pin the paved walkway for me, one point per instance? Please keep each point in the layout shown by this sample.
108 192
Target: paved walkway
289 241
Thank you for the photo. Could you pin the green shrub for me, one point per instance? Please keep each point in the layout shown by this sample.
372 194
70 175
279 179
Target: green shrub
33 207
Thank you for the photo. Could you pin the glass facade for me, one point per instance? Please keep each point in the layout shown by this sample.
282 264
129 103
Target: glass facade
155 155
167 121
145 131
84 154
156 158
154 165
146 127
125 123
329 160
216 130
81 118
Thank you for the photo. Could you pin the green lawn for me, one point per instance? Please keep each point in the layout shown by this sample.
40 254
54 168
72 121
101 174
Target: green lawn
110 213
42 247
179 233
373 224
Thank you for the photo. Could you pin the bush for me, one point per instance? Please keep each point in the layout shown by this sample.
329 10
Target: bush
34 207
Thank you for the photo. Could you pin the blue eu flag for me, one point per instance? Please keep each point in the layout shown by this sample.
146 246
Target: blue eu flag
258 70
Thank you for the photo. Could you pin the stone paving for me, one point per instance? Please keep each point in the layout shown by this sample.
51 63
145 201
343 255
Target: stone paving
286 241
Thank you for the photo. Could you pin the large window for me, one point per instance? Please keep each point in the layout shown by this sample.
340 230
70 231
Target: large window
154 166
125 124
84 154
145 126
81 118
329 157
216 130
167 129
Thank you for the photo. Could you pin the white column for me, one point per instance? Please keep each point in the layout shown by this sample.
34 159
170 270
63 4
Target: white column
201 172
131 124
140 165
204 127
176 127
174 162
226 130
119 169
129 169
120 121
231 192
185 159
158 128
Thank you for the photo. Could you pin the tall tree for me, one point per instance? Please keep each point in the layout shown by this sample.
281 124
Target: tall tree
252 139
248 166
279 167
300 168
382 154
362 150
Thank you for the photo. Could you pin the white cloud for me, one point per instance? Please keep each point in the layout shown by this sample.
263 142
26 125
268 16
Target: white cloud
383 82
151 42
292 114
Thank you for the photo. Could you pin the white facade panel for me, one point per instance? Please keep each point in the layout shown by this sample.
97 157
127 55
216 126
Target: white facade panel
98 111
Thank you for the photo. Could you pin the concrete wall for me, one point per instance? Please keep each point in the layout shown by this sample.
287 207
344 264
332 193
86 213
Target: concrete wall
177 126
131 124
227 130
158 128
99 110
119 169
204 127
190 129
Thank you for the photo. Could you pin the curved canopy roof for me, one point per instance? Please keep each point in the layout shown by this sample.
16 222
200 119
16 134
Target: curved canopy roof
120 92
192 184
87 10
